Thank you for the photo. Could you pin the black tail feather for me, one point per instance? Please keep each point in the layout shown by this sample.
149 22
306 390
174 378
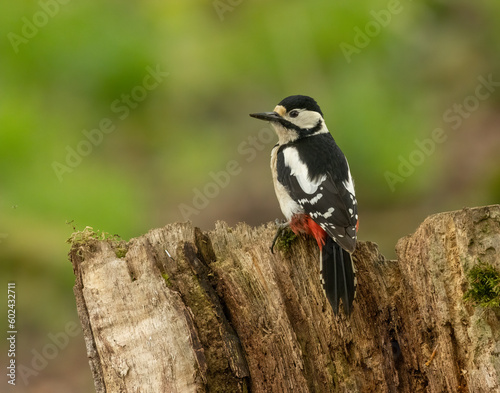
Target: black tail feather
338 277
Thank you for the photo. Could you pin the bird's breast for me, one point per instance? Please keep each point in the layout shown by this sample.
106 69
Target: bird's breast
288 206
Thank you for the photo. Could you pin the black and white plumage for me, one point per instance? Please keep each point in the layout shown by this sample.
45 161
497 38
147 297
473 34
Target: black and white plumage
315 190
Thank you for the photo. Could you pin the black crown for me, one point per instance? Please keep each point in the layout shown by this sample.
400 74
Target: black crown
301 102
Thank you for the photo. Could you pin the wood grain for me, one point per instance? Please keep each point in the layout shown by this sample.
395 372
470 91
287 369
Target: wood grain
223 314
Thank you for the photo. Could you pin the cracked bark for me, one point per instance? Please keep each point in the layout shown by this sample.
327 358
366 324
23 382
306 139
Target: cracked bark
223 314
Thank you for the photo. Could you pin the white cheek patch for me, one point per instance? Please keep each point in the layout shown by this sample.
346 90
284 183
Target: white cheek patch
299 170
305 119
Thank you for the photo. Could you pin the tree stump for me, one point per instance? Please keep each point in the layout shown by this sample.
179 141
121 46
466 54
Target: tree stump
181 310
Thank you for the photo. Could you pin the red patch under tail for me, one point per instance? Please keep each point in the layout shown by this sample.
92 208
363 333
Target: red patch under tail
303 223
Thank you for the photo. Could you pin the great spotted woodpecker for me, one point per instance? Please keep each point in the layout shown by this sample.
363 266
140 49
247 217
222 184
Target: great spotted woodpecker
315 191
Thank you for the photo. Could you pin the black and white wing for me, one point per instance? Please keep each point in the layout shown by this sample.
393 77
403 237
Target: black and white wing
316 174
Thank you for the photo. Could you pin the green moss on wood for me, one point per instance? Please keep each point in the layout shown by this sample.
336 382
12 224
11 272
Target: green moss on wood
89 235
286 240
167 280
120 252
87 239
484 288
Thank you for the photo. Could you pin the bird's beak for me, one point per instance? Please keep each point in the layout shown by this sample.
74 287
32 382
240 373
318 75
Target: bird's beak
268 116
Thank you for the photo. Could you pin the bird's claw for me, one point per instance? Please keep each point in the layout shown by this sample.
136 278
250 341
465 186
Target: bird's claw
281 225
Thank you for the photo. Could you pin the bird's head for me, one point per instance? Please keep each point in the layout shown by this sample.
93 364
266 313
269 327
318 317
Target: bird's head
295 117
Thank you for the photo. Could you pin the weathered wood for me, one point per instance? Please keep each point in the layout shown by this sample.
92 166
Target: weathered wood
186 311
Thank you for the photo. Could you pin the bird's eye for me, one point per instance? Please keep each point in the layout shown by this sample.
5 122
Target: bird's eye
294 113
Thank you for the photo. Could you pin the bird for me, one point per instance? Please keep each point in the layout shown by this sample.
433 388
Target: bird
315 190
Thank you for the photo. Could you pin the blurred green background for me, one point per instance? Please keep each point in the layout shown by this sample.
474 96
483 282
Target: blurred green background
385 74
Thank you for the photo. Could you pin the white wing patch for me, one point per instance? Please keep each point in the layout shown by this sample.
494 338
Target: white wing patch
349 184
299 170
328 213
316 199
